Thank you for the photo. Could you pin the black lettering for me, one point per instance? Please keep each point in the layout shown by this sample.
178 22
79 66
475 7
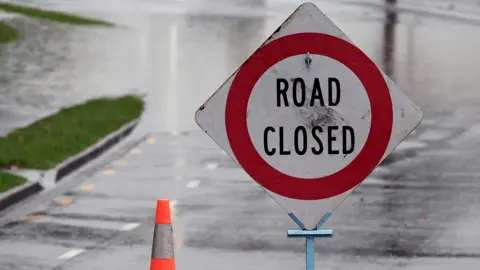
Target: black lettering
332 81
348 129
317 93
282 92
265 141
315 130
331 138
283 152
301 150
295 92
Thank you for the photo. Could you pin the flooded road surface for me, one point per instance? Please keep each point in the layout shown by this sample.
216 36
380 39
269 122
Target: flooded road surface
419 210
179 52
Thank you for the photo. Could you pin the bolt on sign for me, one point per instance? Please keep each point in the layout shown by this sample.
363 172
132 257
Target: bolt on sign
308 115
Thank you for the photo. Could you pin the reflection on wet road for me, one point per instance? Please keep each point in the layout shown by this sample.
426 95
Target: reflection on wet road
417 211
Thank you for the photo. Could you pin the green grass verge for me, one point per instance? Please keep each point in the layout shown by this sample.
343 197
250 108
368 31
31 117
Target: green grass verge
7 33
51 140
61 17
8 181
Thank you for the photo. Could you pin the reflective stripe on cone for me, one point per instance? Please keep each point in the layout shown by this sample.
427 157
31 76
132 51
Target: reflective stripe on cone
162 241
162 248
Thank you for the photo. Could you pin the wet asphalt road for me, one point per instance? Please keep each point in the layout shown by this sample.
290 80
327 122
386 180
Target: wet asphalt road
419 210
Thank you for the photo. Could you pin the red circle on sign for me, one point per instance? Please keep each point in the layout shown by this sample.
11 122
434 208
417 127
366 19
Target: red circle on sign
303 188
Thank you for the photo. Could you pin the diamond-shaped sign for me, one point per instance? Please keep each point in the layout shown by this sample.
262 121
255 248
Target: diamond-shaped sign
308 116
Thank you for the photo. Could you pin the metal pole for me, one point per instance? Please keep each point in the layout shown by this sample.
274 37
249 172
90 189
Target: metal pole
310 250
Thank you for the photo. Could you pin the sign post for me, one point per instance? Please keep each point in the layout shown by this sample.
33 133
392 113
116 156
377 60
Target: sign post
310 236
308 116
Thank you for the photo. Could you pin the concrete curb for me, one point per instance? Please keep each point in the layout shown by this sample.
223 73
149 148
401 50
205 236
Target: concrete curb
75 162
4 16
65 168
19 193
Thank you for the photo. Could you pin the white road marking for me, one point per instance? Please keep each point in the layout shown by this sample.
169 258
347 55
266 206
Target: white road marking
381 170
429 122
173 210
136 151
108 172
70 254
443 153
177 240
376 180
212 166
129 227
410 144
381 181
467 174
179 163
193 184
435 135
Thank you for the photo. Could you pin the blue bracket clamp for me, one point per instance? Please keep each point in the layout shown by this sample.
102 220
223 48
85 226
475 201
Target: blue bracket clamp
310 236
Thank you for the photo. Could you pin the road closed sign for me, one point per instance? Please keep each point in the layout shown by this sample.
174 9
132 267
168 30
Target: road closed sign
308 116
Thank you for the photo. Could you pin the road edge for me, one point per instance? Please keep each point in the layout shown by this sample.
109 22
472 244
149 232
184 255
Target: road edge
18 194
70 165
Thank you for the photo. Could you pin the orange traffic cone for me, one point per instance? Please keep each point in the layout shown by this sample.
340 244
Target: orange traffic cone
162 248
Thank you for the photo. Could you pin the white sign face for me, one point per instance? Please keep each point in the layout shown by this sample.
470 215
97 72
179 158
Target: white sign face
308 116
297 128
